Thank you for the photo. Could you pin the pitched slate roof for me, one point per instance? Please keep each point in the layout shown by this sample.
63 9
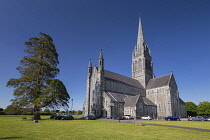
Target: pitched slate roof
159 82
117 97
148 102
131 100
123 79
181 101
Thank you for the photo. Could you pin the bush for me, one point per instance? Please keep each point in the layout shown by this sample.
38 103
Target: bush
46 113
2 113
26 113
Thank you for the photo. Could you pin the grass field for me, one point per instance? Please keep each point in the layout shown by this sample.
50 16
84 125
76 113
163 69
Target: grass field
13 127
194 124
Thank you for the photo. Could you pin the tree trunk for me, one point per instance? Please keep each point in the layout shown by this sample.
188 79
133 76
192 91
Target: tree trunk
36 113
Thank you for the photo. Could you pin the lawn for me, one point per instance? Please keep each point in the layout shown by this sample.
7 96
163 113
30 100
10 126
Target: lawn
13 127
195 124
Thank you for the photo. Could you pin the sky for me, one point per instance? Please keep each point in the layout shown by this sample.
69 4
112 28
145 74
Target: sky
176 31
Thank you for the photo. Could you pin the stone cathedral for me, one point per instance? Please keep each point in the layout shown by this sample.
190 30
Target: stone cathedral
111 94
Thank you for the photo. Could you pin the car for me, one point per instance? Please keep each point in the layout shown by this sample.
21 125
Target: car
67 118
120 118
90 117
147 117
208 119
114 117
172 118
58 117
128 117
52 116
196 118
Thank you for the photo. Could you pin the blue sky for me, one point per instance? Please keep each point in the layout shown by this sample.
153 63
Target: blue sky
176 31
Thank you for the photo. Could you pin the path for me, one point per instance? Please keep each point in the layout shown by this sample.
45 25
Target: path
190 128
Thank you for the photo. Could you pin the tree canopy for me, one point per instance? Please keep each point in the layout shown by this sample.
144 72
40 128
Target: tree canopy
37 86
191 108
203 108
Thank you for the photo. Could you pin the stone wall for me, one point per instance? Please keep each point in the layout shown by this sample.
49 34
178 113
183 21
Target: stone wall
161 97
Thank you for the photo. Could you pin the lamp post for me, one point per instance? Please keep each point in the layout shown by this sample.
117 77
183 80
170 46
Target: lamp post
72 106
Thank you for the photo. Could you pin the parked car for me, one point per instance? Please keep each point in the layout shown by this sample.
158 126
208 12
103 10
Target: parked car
147 117
121 118
128 117
58 117
196 118
172 118
114 117
52 116
208 119
67 118
90 117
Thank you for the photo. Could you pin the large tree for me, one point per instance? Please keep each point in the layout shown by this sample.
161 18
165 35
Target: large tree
37 86
191 108
204 108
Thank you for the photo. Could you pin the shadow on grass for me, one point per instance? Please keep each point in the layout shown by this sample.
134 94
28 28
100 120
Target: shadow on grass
11 138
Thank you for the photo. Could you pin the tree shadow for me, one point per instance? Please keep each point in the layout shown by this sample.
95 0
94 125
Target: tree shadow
11 137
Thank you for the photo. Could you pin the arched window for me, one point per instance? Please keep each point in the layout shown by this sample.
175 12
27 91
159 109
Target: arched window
139 64
146 65
136 65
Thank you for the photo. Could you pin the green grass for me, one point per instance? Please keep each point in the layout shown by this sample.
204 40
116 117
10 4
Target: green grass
77 116
194 124
13 127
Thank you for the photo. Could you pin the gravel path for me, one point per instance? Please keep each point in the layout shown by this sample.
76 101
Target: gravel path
182 127
190 128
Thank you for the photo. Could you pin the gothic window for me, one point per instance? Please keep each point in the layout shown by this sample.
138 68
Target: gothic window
159 107
107 85
139 64
135 68
114 86
146 63
111 85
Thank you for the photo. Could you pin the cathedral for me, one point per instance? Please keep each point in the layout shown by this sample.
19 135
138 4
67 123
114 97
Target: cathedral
110 94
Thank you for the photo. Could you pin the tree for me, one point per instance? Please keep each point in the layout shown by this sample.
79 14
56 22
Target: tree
37 87
204 108
191 108
47 110
1 109
79 112
11 110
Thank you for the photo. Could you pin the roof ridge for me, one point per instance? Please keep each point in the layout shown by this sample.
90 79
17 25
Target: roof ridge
161 76
122 75
112 96
169 79
137 98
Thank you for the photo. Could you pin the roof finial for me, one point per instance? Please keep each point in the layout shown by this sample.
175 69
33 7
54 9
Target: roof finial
140 38
101 55
90 64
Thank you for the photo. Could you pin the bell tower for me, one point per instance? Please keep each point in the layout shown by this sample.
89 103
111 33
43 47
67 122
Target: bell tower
142 67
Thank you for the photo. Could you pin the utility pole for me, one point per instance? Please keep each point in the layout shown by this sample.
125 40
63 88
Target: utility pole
72 106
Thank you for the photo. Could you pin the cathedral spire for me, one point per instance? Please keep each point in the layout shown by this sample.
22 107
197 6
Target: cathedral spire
101 55
140 38
101 61
90 68
142 67
90 64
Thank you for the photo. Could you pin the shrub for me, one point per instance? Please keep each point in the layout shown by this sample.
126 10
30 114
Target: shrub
2 113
